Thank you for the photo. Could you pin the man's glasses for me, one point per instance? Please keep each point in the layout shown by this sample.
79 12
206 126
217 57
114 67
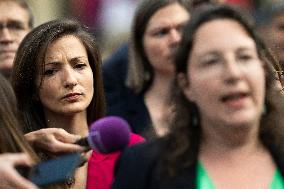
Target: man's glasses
14 27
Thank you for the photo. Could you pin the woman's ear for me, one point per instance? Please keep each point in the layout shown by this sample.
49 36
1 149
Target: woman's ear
185 86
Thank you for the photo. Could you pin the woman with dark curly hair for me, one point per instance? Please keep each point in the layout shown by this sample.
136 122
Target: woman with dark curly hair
226 133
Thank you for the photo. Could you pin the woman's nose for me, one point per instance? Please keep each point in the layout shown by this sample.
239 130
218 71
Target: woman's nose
233 71
174 39
5 36
175 36
69 78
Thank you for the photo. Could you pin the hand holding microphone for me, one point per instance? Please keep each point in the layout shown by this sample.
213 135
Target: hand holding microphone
107 135
54 141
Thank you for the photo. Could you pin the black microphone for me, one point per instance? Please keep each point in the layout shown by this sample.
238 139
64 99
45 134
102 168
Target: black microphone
107 135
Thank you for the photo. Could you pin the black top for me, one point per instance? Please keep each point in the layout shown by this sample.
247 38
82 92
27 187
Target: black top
138 165
121 101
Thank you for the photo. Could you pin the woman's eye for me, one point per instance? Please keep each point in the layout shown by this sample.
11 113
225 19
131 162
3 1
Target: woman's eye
161 33
49 72
210 61
245 57
213 61
80 66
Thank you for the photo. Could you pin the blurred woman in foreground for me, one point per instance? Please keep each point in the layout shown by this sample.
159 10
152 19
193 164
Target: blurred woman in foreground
225 133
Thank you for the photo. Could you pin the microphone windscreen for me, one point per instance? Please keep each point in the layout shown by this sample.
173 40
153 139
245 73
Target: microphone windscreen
109 134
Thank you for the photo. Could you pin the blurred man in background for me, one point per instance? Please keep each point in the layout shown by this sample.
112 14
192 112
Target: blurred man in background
270 21
16 20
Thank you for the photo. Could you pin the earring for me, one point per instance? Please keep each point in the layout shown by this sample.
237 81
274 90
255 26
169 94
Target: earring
146 76
194 121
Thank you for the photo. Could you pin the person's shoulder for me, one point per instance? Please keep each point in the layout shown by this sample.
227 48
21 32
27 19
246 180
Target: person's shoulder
136 164
277 153
114 70
118 58
145 150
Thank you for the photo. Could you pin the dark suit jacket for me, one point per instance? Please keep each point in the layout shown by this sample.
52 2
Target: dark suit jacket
121 101
136 169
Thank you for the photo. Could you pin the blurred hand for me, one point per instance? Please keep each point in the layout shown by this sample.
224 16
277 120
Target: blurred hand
9 177
55 141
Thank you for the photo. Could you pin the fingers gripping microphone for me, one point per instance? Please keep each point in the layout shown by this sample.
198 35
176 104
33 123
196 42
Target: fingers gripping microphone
107 135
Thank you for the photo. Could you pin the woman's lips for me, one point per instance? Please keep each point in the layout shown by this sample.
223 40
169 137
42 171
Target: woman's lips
235 100
72 97
7 54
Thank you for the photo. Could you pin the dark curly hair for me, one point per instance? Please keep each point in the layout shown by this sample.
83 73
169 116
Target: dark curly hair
183 141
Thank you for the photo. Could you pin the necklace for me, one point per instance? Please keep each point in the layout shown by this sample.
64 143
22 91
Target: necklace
70 182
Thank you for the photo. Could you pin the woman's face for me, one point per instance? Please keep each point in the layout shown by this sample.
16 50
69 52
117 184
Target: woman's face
225 77
162 35
67 85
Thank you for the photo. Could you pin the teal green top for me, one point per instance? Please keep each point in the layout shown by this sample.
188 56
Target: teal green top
204 181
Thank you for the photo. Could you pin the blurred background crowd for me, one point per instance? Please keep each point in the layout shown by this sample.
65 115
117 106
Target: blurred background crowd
110 20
